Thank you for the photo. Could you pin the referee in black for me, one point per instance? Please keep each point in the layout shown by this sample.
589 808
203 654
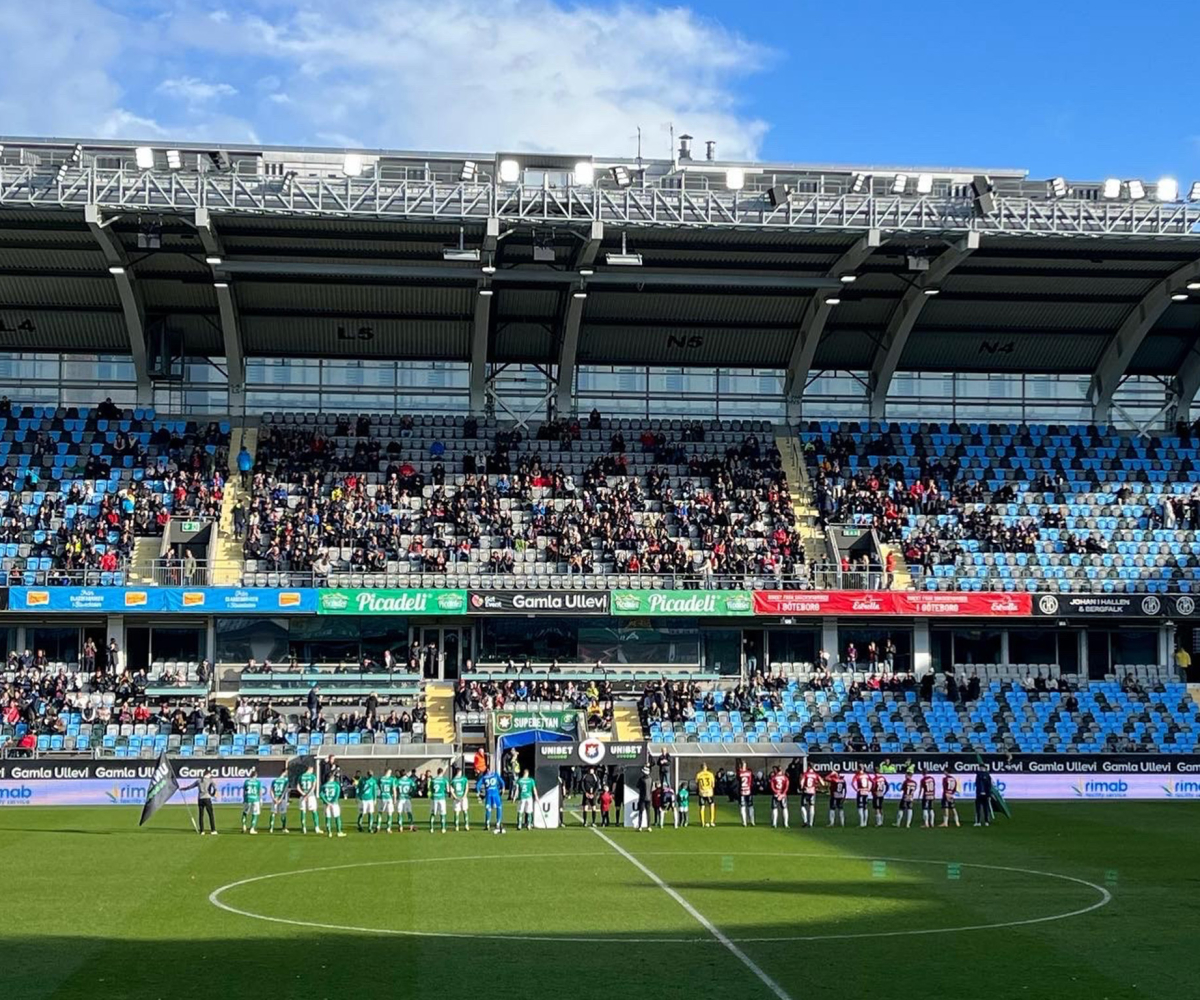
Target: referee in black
983 797
206 791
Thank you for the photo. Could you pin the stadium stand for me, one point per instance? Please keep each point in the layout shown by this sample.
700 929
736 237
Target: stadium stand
439 501
1013 507
78 487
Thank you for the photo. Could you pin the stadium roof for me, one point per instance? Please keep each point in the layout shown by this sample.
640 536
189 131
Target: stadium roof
685 262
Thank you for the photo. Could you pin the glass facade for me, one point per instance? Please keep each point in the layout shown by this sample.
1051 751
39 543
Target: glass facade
525 391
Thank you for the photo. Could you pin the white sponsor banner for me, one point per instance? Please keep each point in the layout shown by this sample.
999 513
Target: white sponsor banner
100 792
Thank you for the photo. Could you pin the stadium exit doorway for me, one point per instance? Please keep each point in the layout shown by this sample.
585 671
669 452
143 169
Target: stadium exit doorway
444 650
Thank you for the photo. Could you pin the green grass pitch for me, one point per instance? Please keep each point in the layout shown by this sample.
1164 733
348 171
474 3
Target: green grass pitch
96 907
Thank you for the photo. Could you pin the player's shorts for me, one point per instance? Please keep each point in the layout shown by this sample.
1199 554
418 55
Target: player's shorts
279 806
526 806
926 803
460 805
861 801
366 806
838 803
589 800
877 801
905 803
493 802
388 807
947 801
405 806
333 810
706 800
439 807
746 800
309 803
683 807
806 798
253 808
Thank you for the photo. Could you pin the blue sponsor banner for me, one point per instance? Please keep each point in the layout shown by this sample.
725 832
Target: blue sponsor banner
151 600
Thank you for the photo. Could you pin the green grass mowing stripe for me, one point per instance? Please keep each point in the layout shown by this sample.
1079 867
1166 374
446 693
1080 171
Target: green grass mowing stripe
696 915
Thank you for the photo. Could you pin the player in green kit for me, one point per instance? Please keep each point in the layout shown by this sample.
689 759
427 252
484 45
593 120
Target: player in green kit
368 788
526 797
683 797
279 803
331 793
458 791
437 798
252 790
404 790
308 800
387 800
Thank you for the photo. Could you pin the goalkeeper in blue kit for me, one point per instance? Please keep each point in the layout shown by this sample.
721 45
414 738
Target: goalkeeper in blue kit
490 787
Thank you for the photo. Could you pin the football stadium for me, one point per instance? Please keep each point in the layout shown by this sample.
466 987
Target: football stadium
389 540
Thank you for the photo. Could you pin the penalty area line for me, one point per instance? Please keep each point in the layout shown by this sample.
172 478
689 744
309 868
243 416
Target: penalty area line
699 917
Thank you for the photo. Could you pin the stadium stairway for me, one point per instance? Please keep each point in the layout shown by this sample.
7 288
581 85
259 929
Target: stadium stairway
439 706
229 561
815 549
901 577
141 562
627 726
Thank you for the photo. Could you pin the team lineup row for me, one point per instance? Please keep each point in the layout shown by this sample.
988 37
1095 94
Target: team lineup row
386 802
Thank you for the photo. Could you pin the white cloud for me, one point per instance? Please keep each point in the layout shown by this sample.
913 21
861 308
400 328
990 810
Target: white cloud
509 74
194 91
432 74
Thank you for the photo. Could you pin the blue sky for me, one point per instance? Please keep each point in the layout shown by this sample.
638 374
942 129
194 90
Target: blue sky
1060 86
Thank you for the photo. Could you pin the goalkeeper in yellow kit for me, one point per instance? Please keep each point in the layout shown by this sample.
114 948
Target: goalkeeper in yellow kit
706 785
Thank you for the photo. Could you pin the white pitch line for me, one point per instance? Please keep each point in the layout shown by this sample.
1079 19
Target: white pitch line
699 917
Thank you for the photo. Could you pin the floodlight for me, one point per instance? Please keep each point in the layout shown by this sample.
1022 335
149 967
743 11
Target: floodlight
899 183
1193 286
621 176
931 291
1193 194
352 165
735 178
174 159
144 156
77 153
833 300
585 173
220 284
469 254
1179 296
924 183
220 159
587 272
489 268
1167 189
467 173
510 171
116 269
1058 187
985 198
1136 189
848 279
1111 188
581 294
212 260
858 183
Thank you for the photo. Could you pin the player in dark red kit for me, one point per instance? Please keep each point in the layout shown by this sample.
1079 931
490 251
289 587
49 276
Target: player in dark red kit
779 784
908 791
879 787
949 806
810 783
862 793
837 797
745 780
928 793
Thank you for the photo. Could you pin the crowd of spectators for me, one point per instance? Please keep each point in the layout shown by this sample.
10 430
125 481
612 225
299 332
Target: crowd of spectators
595 698
319 506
